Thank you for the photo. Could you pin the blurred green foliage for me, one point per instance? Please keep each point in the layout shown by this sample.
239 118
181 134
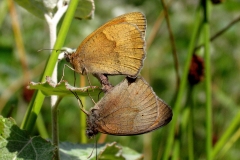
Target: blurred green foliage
158 70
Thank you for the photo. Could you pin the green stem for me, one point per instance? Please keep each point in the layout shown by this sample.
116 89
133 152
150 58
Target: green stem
41 127
225 137
183 83
83 138
190 124
230 143
207 59
55 130
176 150
173 45
37 100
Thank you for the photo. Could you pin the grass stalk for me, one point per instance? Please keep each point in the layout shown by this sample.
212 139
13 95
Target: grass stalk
83 138
207 71
41 127
190 124
37 100
182 87
225 137
176 150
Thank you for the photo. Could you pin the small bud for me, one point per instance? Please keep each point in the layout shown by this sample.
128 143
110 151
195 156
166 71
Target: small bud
196 72
217 1
27 94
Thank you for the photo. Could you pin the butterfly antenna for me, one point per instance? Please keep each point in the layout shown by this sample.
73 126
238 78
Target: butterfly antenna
96 145
92 150
40 50
79 102
57 50
62 50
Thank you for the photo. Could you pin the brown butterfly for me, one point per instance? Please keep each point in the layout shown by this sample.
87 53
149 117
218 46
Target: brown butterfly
130 108
116 48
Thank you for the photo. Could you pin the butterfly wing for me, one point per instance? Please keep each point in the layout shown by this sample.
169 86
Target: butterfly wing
131 109
118 47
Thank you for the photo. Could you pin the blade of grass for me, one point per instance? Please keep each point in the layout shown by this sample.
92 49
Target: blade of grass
224 99
83 138
232 140
190 104
173 45
206 29
37 100
19 41
225 137
41 127
176 150
182 87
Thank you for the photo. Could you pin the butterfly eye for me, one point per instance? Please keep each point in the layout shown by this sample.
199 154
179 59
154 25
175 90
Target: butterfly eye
89 133
67 57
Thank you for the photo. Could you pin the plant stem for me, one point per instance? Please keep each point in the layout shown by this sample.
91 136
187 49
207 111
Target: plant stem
55 100
52 24
219 33
190 124
19 41
176 150
230 143
83 138
183 83
207 79
37 100
155 29
41 127
225 137
55 131
173 45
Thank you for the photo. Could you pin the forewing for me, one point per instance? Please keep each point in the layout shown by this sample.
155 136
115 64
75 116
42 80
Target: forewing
118 47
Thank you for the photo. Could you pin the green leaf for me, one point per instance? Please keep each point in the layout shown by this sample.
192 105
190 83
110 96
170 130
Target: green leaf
111 151
76 151
62 88
107 151
85 9
17 144
129 154
38 7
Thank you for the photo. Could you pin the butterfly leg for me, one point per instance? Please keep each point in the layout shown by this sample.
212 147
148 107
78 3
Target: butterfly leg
64 70
106 85
79 102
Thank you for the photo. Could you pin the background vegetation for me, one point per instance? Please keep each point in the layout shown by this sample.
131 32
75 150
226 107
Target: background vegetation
158 70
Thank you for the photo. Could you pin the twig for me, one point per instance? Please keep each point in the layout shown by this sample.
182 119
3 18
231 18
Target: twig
219 33
174 51
19 40
155 29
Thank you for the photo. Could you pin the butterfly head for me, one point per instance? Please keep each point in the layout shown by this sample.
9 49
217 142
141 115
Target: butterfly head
68 57
91 123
